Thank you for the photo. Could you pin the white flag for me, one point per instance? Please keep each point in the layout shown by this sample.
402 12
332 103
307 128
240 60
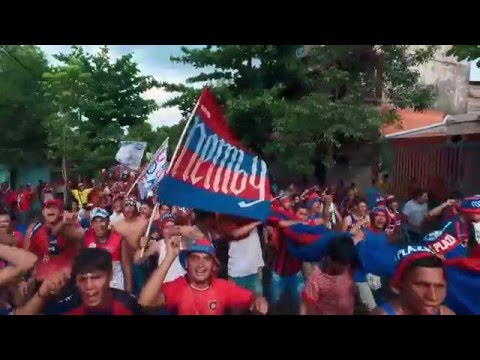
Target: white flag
155 171
130 153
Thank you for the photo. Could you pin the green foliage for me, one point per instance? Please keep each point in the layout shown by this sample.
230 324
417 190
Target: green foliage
465 52
98 100
293 109
23 106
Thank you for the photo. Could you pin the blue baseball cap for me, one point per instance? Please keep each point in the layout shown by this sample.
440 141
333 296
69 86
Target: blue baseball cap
99 212
198 246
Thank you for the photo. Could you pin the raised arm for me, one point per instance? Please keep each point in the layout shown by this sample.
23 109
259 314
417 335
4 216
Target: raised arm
49 289
151 294
20 262
69 229
242 231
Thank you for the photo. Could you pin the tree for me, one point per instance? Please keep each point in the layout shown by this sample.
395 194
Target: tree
23 107
465 52
101 99
296 110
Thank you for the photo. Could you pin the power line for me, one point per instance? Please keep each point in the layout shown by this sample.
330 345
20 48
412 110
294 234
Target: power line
5 49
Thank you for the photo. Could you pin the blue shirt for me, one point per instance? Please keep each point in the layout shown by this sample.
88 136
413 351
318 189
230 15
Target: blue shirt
372 194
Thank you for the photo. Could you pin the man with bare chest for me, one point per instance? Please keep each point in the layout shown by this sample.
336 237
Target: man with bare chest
132 228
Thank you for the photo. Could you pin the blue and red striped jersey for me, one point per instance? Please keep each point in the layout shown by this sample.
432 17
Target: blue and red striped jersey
122 303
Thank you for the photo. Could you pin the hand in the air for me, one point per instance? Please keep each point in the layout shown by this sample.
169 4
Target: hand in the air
173 246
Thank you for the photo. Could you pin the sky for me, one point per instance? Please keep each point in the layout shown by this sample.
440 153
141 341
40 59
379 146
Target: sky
152 60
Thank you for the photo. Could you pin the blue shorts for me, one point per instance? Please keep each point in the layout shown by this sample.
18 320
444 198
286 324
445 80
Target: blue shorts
250 282
292 285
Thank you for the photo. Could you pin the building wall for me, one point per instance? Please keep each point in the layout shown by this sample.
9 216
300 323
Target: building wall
32 175
452 165
450 79
24 175
4 174
361 159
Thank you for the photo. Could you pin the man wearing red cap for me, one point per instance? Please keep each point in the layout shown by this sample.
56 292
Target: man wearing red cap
420 282
55 252
199 292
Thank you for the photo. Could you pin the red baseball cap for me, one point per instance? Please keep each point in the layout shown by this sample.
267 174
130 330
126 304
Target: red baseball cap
54 202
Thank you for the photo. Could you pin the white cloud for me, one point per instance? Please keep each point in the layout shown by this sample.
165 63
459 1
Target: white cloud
165 116
143 56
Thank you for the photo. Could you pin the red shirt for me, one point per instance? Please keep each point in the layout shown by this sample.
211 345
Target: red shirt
113 245
221 296
48 263
95 198
330 295
9 198
25 200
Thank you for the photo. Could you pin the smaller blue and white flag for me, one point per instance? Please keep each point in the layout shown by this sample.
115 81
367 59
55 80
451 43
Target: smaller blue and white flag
154 172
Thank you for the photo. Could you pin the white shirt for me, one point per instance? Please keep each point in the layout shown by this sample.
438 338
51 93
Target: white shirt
115 218
415 212
245 256
176 270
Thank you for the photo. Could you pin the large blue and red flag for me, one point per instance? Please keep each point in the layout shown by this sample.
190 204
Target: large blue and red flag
463 285
214 171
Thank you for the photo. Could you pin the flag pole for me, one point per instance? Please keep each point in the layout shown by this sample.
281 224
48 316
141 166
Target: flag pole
133 186
177 147
180 140
144 170
149 227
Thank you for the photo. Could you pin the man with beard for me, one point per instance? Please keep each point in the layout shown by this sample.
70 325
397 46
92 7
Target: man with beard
132 228
92 273
199 292
421 284
100 236
55 252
